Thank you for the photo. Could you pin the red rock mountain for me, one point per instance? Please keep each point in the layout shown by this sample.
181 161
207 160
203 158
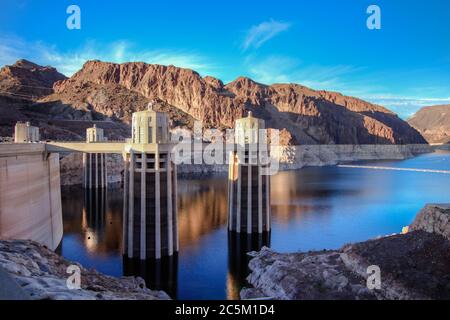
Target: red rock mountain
21 85
310 116
26 79
433 123
108 91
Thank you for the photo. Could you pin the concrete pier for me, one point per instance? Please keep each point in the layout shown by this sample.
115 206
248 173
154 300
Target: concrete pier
248 181
95 164
150 195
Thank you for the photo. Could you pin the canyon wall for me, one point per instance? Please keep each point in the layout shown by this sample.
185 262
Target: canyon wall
433 123
72 169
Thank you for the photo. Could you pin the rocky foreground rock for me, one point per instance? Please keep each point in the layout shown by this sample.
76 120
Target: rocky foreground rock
42 274
415 265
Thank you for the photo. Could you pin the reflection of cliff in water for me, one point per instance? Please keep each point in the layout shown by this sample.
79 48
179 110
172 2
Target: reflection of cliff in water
161 274
97 222
239 244
202 208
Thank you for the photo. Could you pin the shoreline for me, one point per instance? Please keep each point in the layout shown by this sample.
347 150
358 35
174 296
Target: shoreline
290 158
412 265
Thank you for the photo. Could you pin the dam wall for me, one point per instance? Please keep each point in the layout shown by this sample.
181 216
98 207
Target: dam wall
30 196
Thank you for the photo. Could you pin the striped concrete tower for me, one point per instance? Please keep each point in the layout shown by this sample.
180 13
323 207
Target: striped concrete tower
150 189
94 164
248 183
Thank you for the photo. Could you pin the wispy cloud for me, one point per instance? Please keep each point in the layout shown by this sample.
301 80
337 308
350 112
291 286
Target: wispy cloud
283 69
405 107
347 79
69 62
259 34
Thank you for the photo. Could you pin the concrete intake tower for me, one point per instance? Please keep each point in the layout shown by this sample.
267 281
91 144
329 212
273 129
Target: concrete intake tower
94 164
248 179
150 189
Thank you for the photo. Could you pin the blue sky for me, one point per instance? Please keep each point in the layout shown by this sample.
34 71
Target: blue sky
323 44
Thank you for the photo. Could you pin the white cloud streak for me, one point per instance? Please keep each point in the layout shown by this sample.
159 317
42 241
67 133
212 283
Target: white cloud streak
282 69
263 32
347 79
12 49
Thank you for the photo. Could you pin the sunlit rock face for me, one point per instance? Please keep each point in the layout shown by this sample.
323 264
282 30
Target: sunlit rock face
433 123
309 116
413 265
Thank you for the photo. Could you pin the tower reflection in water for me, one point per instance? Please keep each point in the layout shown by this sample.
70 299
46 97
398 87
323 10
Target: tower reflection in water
95 208
239 244
159 274
94 216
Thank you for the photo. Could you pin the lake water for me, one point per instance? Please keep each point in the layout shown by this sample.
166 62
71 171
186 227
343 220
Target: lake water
313 208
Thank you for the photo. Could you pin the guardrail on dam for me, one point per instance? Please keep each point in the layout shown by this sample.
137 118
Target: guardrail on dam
30 195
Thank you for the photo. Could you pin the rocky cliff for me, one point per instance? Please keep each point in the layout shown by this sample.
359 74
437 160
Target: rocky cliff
433 123
415 265
111 92
72 169
310 116
24 84
28 80
21 84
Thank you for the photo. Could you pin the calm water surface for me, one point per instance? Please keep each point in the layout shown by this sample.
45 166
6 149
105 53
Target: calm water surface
313 208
